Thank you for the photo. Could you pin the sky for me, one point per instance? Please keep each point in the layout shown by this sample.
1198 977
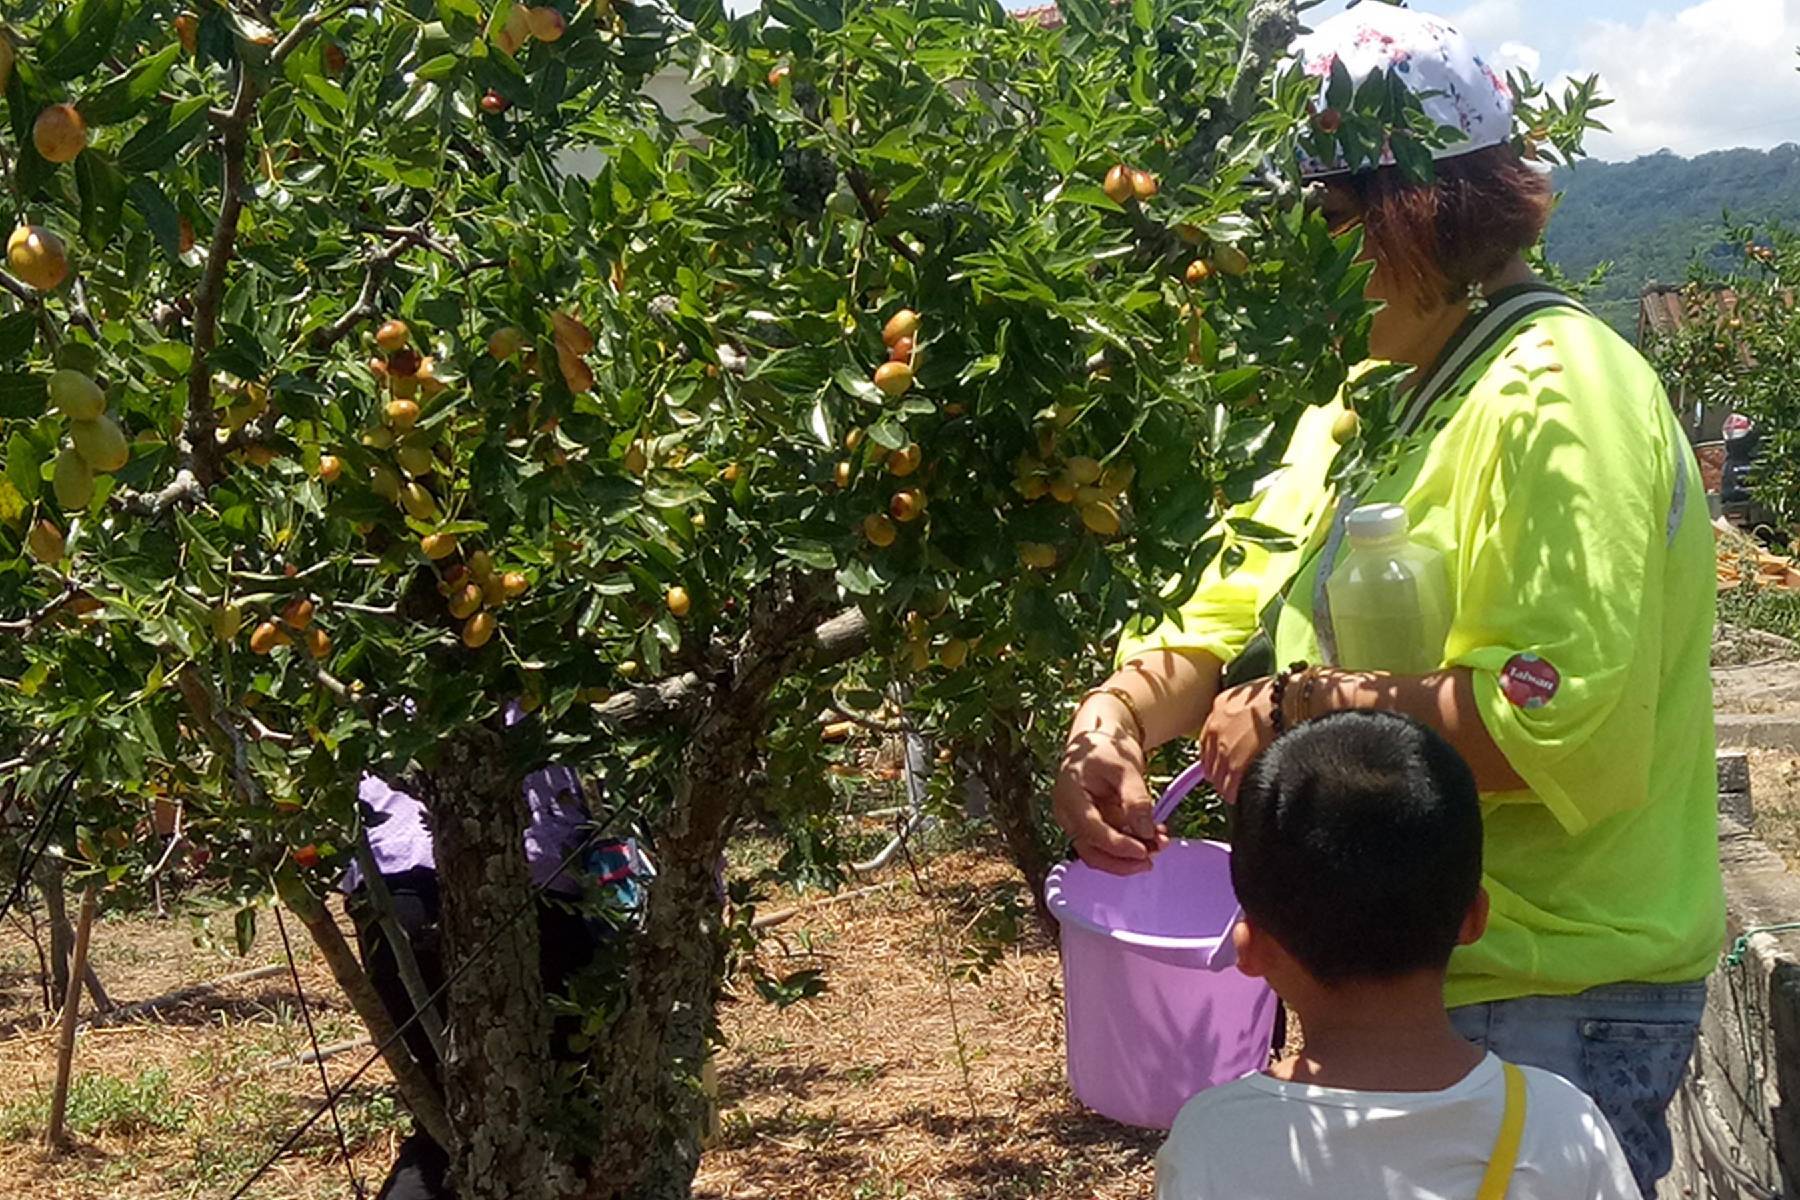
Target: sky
1685 77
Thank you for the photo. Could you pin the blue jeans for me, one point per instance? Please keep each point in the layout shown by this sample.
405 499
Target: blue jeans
1626 1045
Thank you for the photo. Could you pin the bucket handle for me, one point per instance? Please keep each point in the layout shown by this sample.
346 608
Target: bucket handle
1177 790
1225 953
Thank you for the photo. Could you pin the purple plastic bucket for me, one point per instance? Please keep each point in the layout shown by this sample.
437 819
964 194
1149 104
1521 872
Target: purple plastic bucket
1156 1009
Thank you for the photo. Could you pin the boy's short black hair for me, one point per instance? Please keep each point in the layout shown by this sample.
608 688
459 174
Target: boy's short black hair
1357 844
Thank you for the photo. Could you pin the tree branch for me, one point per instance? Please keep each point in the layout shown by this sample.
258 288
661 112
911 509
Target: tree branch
200 451
859 183
44 611
185 488
843 636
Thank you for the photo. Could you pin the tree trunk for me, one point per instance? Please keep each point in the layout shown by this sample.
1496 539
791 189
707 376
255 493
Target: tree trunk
654 1115
62 934
1007 767
497 1072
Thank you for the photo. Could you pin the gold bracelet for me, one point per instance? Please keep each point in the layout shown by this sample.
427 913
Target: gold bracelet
1123 697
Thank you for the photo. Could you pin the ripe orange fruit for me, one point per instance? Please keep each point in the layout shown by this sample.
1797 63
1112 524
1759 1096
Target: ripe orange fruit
392 335
477 630
1117 185
1082 470
905 461
893 378
330 467
187 30
778 74
514 584
879 530
306 857
438 545
465 601
334 59
679 602
841 475
37 256
547 25
906 505
297 613
1328 121
60 133
402 414
481 564
184 235
1062 490
405 361
318 642
266 636
1143 184
903 324
853 439
1198 272
901 350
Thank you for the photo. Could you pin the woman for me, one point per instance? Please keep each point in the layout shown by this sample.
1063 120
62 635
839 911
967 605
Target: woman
567 865
1549 470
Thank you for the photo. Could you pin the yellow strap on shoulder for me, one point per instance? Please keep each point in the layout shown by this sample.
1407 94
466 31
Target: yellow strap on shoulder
1506 1147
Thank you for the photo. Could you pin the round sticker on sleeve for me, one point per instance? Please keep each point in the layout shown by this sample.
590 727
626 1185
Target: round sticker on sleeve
1528 681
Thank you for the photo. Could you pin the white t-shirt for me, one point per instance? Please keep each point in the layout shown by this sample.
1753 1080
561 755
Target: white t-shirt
1262 1139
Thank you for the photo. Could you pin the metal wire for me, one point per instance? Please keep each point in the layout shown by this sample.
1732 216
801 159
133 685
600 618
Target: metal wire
28 858
312 1035
400 1030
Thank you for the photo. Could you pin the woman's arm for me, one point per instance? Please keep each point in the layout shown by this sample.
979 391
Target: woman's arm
1444 700
1100 799
1242 720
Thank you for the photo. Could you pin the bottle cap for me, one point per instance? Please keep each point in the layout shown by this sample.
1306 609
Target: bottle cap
1376 522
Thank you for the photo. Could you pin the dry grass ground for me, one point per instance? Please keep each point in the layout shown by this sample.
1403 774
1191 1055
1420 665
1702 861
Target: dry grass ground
863 1092
904 1078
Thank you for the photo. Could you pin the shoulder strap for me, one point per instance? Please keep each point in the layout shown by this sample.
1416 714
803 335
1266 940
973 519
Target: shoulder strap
1506 1147
1479 334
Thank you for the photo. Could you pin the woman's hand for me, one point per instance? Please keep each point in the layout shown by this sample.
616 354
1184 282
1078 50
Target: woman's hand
1241 726
1101 801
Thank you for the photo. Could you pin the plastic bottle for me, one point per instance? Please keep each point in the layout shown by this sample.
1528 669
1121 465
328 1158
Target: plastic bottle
1390 596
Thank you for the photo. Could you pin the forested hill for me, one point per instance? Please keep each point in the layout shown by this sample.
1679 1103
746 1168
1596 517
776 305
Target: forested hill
1651 217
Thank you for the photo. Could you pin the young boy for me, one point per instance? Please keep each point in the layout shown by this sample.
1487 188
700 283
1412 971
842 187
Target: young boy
1356 856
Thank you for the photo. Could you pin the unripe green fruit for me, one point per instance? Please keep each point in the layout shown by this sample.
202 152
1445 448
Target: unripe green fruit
72 481
101 442
76 396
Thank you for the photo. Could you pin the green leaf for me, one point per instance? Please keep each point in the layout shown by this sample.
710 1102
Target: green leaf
127 94
244 929
79 39
18 333
443 66
24 466
670 490
165 134
146 196
23 395
1090 194
809 554
889 434
102 192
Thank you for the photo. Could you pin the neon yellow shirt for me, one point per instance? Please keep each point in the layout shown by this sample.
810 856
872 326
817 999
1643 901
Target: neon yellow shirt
1570 512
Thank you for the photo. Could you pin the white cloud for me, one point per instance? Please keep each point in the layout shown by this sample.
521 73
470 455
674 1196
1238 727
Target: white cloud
1715 75
1517 56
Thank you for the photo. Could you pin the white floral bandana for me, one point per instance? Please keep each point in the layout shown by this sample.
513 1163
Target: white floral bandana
1455 86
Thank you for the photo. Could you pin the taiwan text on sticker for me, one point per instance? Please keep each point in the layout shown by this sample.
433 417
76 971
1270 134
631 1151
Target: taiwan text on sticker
1528 681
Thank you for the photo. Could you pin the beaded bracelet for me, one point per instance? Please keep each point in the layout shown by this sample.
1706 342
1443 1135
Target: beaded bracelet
1278 696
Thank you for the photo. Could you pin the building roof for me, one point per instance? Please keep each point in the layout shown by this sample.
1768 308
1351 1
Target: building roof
1047 15
1665 309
